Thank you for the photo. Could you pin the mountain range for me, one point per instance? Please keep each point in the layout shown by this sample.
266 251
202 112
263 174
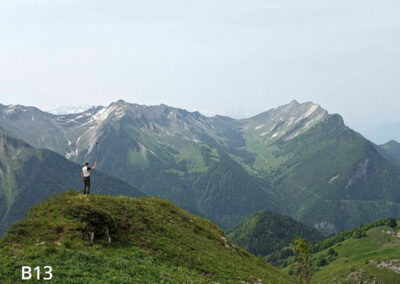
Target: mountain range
296 159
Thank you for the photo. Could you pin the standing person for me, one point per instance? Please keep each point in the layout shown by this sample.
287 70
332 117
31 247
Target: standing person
86 177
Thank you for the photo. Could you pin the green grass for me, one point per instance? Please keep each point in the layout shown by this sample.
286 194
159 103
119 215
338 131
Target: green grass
191 155
354 254
88 266
153 241
137 159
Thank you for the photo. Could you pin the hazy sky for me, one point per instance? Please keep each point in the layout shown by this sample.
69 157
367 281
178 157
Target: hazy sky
228 57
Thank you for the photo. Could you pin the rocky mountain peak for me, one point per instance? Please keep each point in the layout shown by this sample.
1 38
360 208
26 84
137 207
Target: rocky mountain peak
287 121
294 102
119 103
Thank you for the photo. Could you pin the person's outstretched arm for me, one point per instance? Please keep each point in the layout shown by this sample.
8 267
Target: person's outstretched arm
94 167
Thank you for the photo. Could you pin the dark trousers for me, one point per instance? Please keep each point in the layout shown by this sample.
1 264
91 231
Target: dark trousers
86 182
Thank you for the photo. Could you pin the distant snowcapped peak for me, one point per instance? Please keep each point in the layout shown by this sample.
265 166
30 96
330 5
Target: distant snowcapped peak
62 110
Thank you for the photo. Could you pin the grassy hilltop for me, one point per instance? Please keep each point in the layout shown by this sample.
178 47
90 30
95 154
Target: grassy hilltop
147 240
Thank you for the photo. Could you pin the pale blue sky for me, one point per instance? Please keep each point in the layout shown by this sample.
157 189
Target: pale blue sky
228 57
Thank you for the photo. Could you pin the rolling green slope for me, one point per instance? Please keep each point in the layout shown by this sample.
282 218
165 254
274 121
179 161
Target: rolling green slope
372 255
367 254
29 175
128 240
266 232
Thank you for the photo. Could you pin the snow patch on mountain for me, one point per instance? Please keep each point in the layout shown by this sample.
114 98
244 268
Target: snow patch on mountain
103 114
291 120
285 122
311 110
119 113
333 179
11 109
62 110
